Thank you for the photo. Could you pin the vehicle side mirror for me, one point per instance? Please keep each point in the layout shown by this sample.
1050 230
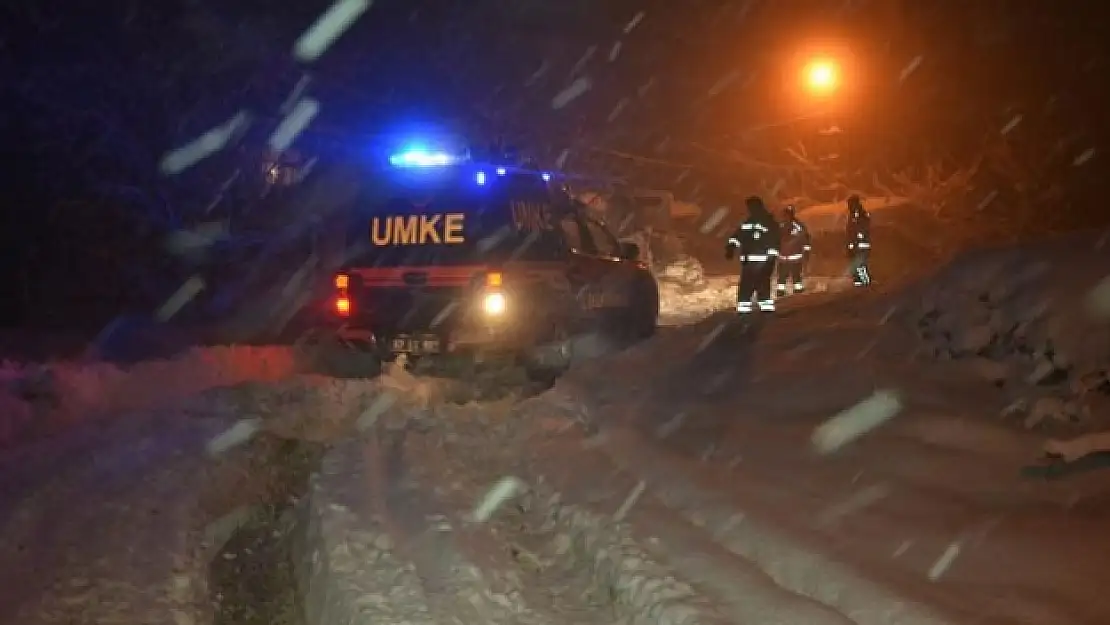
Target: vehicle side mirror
630 251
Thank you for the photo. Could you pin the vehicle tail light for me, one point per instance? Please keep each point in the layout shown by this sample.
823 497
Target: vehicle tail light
342 295
343 306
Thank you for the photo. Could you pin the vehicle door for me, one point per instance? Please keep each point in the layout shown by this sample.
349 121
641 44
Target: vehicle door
612 287
539 257
583 268
589 269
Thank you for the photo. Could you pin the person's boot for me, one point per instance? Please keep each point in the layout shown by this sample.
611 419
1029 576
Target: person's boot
858 277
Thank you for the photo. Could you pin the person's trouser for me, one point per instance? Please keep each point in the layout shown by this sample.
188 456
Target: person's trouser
861 271
755 282
790 273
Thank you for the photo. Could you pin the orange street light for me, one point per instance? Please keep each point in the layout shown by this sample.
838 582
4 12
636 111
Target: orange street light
822 76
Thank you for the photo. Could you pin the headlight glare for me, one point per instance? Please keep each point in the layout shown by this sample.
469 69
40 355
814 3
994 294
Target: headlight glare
494 304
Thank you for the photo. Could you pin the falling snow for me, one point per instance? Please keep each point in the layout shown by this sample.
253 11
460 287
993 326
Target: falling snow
755 434
856 421
576 89
910 68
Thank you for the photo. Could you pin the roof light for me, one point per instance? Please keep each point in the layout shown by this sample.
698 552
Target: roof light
501 171
546 176
418 157
480 177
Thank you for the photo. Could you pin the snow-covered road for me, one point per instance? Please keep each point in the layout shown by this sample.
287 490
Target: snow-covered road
706 475
944 501
932 505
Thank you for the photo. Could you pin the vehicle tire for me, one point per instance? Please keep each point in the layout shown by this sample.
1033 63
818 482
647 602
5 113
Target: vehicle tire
643 311
547 362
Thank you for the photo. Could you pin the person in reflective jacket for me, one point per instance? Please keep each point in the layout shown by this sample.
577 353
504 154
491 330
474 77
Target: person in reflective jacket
859 241
757 241
796 245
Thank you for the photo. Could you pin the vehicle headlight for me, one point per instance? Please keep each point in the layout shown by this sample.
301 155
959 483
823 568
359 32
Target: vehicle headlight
494 304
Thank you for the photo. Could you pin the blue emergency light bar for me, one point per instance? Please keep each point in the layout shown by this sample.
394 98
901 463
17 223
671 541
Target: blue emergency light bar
481 178
420 158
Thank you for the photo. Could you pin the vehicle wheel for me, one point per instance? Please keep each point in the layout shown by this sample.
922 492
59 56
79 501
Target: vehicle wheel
545 363
330 356
643 312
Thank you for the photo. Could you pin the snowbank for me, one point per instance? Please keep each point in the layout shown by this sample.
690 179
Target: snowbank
1029 322
687 295
680 304
686 272
37 399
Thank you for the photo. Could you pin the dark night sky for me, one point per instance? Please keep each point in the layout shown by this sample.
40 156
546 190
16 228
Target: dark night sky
100 91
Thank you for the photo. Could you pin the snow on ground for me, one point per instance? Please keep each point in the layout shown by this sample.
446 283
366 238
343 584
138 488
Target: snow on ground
687 295
1023 322
37 399
494 540
849 461
395 526
532 527
119 523
942 498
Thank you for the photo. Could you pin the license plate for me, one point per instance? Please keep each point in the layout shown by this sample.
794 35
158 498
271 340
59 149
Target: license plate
416 344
